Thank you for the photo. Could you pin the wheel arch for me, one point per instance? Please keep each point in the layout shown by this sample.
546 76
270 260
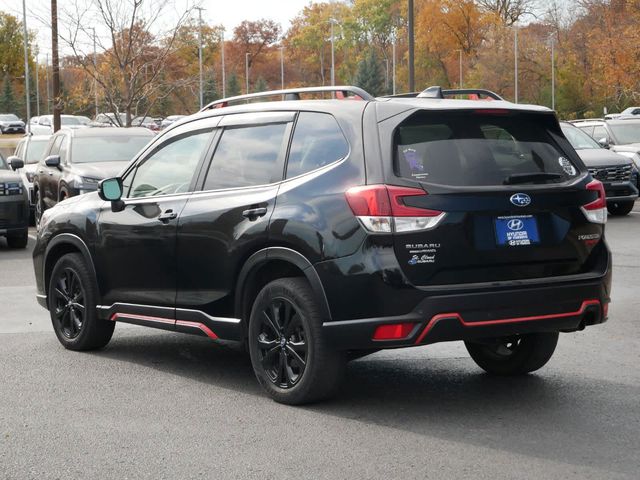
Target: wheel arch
60 245
270 264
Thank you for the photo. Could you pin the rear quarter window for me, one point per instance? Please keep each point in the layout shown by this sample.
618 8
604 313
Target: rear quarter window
466 148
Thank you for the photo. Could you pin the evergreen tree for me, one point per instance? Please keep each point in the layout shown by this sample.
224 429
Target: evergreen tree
7 101
369 76
261 85
233 86
210 93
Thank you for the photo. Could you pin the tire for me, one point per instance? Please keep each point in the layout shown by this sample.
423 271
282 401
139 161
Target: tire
296 334
516 355
18 240
72 306
620 209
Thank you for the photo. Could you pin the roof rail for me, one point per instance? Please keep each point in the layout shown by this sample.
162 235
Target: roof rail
340 92
438 92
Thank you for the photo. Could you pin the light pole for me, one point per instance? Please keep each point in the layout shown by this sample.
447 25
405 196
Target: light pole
37 87
412 81
553 74
200 56
460 67
246 70
515 56
393 54
333 56
46 79
95 68
224 74
282 67
26 64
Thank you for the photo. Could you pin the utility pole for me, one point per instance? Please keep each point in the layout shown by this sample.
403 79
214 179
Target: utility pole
95 67
282 67
26 65
200 55
55 63
412 75
224 75
515 56
246 70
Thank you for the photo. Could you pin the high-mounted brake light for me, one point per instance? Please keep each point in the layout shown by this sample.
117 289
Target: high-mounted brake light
381 209
491 111
596 211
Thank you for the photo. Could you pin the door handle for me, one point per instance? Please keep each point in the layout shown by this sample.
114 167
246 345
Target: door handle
167 216
254 213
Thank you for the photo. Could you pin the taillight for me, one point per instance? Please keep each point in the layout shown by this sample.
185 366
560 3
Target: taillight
596 211
381 209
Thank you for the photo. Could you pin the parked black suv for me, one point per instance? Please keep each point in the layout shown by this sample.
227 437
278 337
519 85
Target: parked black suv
14 204
317 231
618 173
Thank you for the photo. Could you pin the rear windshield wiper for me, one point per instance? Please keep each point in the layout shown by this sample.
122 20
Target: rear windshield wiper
530 177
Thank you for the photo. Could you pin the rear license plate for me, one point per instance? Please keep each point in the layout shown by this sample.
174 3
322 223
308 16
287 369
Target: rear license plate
517 230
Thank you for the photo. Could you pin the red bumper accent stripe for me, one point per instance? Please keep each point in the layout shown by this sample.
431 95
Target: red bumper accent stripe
485 323
200 326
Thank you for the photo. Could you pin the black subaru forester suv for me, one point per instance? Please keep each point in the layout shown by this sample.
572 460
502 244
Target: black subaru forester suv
321 230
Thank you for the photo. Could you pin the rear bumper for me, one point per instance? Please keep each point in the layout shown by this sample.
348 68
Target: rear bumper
442 318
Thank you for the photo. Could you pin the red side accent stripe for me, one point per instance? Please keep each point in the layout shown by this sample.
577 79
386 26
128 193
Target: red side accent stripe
200 326
485 323
182 323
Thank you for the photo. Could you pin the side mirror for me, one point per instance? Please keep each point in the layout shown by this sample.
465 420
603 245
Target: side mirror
110 189
15 162
604 142
52 161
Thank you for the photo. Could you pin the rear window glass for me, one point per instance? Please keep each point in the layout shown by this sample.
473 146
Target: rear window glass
476 149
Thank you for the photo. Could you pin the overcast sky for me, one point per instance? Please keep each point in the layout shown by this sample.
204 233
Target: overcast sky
228 12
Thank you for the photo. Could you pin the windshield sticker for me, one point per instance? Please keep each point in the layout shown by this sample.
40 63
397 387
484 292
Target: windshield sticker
567 167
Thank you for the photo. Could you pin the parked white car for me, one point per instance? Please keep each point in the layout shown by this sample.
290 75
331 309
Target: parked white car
44 125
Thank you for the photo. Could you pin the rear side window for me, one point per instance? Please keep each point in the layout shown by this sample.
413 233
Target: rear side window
247 156
317 141
470 148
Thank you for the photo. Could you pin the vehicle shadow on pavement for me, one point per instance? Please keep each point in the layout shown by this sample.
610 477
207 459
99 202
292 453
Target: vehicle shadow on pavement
578 421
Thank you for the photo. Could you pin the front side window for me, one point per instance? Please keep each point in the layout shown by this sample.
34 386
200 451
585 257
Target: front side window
474 148
578 139
317 141
247 156
171 167
35 150
599 133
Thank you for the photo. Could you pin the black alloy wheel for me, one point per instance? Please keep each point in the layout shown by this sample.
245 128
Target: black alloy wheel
282 343
290 355
69 303
72 295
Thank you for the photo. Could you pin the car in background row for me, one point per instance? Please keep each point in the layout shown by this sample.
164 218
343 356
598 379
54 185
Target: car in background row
621 135
14 205
29 150
152 123
618 173
109 120
10 123
170 120
76 160
631 111
43 125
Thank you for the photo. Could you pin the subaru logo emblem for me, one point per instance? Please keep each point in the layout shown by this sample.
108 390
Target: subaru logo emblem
520 199
515 224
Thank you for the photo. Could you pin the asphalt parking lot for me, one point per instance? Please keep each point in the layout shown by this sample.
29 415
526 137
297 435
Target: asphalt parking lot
161 405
